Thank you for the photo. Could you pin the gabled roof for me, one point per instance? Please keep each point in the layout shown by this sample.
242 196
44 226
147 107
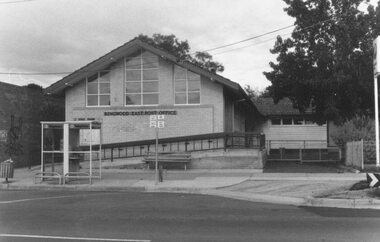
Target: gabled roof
284 107
130 48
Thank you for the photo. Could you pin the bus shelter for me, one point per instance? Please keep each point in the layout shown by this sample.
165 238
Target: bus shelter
71 149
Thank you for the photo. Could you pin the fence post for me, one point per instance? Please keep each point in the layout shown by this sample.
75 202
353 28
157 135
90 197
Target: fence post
262 141
225 142
112 154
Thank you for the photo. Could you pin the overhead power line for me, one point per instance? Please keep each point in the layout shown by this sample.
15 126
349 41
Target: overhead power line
10 2
215 48
248 39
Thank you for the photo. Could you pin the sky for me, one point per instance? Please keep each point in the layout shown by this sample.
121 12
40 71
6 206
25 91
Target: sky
60 36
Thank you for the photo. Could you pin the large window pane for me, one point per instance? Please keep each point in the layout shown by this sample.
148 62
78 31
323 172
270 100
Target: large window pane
92 100
133 87
180 98
133 75
92 88
276 121
104 76
150 62
150 74
309 121
150 99
104 88
150 86
194 98
298 121
179 73
180 86
193 76
133 99
104 100
287 121
194 85
93 78
148 55
134 63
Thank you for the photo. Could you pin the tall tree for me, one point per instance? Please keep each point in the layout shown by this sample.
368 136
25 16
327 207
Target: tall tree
327 61
181 49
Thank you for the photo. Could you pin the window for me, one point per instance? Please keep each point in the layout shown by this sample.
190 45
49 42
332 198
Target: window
287 121
309 121
187 87
298 121
276 121
98 89
141 79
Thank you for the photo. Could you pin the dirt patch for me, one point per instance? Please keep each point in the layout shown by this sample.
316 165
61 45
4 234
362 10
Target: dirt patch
359 190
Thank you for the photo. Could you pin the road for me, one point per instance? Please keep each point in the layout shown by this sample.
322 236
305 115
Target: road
93 216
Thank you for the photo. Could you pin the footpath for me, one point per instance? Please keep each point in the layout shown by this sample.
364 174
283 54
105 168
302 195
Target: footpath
298 189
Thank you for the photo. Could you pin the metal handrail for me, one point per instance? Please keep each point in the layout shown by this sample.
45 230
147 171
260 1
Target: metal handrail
48 174
212 141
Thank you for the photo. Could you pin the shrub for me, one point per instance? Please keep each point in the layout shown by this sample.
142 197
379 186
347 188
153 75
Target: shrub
359 127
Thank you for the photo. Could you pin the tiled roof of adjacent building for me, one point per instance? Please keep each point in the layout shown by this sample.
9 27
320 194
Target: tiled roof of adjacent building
267 107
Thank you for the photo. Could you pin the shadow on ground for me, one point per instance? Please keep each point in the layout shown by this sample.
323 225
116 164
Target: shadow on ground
298 167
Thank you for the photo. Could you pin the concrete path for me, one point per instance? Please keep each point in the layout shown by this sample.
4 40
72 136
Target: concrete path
299 189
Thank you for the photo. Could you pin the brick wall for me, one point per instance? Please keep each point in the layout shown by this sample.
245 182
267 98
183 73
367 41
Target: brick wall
207 117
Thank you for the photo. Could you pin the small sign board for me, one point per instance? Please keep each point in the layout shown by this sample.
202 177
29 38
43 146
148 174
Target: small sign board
373 179
157 121
376 53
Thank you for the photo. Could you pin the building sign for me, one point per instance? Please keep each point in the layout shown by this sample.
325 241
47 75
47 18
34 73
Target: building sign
140 113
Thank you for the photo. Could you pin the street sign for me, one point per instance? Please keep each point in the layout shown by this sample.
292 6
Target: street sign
157 121
373 179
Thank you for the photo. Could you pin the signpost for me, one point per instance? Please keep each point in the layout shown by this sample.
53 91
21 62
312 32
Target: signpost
156 122
376 72
373 179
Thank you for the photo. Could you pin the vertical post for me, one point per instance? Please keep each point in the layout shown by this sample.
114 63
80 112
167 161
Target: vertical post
65 149
300 154
111 154
100 150
377 121
156 163
376 71
362 164
91 153
42 149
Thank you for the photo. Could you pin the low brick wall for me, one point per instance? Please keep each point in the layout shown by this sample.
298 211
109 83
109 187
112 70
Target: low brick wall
229 159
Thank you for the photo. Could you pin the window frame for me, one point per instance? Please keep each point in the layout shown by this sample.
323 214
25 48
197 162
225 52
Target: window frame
303 124
98 94
141 81
186 92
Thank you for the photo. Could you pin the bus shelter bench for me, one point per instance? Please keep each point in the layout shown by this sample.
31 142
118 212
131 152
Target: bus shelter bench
47 174
167 161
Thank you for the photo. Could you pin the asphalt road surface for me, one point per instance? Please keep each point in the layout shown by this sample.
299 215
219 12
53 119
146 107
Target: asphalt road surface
78 216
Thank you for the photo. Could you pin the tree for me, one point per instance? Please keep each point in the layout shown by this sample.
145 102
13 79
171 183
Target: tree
255 93
327 61
181 49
